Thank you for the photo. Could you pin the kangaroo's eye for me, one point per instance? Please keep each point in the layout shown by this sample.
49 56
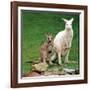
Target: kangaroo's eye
48 38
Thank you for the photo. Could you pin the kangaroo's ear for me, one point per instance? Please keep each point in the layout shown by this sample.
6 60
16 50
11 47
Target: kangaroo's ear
46 34
65 20
50 34
71 19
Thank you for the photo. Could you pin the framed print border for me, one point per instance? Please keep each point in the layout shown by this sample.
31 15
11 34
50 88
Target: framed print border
14 43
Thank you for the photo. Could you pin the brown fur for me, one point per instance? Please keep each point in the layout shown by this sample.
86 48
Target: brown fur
46 49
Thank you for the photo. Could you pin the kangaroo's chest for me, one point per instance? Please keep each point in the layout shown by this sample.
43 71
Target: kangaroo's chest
67 43
69 36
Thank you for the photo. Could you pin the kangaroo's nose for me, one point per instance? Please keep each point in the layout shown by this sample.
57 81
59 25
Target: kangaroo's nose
49 41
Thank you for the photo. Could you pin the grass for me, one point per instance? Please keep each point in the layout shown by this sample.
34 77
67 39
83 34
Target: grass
34 27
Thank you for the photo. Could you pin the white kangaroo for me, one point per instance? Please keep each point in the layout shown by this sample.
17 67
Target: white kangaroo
63 41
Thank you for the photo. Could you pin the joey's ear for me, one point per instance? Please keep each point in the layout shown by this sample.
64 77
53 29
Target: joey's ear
50 34
65 20
46 34
71 19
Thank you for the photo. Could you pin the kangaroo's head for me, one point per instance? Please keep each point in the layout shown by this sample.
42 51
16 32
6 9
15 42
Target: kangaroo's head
68 23
49 38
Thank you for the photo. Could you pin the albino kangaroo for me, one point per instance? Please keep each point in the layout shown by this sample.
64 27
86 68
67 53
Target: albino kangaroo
46 49
63 41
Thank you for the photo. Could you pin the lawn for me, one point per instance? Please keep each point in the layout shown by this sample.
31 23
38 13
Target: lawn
35 25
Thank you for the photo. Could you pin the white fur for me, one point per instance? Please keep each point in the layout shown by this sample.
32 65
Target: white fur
63 41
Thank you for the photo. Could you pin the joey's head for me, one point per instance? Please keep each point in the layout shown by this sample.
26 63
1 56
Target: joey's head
49 37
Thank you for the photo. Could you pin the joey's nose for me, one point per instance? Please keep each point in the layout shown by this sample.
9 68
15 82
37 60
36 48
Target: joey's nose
49 41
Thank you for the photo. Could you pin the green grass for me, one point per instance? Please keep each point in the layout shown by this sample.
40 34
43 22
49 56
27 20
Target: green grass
34 27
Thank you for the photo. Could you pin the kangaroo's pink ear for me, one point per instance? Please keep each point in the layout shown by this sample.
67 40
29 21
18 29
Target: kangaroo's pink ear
65 20
71 19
